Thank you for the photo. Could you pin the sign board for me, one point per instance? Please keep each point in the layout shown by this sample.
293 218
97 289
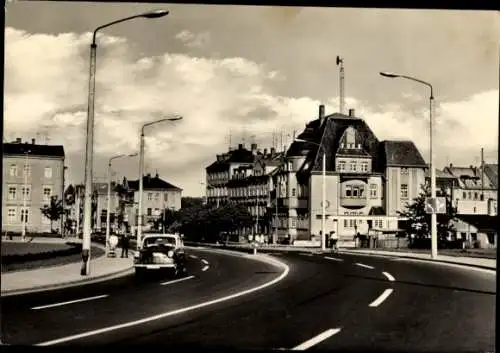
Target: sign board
437 205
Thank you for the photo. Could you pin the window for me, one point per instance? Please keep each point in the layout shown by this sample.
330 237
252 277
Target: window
148 211
404 171
13 171
475 196
352 223
341 166
348 191
47 172
24 215
293 191
166 195
355 191
346 224
47 192
474 209
364 166
27 170
352 166
470 195
150 196
12 192
373 190
26 192
294 223
11 215
464 195
404 191
157 196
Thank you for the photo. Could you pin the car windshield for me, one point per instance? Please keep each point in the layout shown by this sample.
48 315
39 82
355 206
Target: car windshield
159 241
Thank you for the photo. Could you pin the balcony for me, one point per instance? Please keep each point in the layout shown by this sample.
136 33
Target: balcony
353 202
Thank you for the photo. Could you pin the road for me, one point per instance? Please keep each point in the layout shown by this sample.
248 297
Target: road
340 303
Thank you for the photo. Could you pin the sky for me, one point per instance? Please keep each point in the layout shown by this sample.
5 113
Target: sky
244 74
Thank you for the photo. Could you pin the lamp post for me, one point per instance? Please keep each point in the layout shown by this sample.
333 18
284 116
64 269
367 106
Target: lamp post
434 243
24 212
108 213
141 171
323 193
89 151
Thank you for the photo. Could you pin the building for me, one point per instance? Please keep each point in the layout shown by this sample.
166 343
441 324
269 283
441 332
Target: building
468 189
158 195
477 231
32 174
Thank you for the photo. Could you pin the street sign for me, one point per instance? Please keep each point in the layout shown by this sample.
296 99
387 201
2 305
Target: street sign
438 205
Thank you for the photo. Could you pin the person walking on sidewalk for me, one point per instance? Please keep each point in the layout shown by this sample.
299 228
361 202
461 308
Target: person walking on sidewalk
333 241
125 244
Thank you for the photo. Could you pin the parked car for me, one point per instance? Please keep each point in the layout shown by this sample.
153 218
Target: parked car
160 253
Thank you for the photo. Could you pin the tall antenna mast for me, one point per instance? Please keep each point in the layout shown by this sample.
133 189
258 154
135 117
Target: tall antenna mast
340 62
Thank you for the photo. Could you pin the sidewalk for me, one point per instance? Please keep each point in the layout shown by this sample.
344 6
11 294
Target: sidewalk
20 282
458 260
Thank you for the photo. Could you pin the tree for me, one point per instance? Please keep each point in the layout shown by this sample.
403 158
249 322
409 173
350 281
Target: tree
187 202
419 222
54 210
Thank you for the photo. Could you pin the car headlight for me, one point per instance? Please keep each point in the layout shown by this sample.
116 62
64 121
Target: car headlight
170 253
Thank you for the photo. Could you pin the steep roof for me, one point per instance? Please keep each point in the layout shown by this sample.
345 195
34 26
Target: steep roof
491 171
239 155
152 183
440 174
20 149
401 153
329 133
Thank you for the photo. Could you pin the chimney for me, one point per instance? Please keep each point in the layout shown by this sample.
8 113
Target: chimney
240 146
351 113
321 113
19 140
219 158
33 141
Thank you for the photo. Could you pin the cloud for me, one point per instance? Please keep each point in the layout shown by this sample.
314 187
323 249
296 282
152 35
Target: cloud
192 40
46 82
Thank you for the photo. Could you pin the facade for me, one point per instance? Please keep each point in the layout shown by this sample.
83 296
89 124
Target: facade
468 189
158 195
367 181
32 174
480 231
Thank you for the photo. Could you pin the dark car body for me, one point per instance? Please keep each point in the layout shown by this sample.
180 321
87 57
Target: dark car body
160 253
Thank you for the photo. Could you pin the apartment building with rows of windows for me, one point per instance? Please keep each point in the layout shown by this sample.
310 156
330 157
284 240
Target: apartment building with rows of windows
158 195
32 174
367 181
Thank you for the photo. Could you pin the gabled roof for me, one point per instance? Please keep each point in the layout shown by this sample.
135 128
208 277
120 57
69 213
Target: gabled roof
19 149
401 154
152 183
239 155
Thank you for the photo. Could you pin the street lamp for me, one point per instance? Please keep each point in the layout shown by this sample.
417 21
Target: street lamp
89 150
108 213
141 170
323 198
434 245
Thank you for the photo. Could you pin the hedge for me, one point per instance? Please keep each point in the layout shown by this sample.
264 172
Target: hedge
30 257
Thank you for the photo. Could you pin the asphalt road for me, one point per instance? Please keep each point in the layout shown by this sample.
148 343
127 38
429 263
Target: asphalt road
348 303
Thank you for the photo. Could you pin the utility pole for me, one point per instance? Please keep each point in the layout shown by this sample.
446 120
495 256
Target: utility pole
340 62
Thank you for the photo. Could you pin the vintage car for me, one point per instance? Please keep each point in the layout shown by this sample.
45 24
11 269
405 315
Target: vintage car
160 253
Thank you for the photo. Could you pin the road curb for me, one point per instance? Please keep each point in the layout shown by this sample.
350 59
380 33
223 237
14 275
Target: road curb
420 259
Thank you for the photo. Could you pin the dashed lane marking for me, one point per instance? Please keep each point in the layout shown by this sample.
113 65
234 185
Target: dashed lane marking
205 268
316 339
389 276
170 313
333 258
176 280
204 261
385 294
365 266
69 302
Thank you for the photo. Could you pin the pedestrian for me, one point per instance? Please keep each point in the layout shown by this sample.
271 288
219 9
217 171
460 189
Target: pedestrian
125 244
333 241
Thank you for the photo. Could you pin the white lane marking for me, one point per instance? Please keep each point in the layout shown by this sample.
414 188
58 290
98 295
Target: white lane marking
333 258
365 266
70 302
385 294
316 339
204 261
171 313
176 280
205 268
389 276
193 256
